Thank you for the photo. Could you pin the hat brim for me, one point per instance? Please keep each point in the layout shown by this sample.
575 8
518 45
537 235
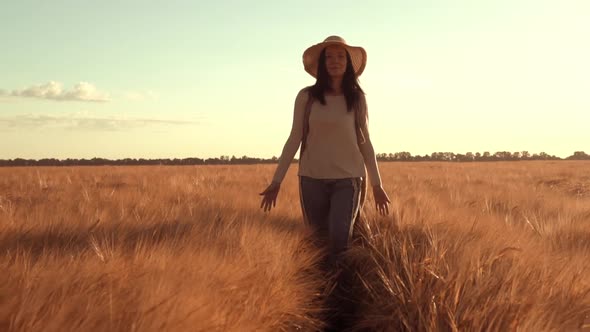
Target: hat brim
311 56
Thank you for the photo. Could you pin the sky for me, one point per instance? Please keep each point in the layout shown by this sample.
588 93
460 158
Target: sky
179 79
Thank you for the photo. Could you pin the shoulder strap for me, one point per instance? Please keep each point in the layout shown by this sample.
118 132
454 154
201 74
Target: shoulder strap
306 121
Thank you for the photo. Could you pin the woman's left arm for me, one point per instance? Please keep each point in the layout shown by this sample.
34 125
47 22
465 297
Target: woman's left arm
370 160
368 152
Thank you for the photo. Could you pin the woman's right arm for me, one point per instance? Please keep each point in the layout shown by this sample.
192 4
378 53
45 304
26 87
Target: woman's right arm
294 140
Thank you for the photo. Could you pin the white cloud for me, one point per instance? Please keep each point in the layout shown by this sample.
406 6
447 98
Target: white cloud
85 121
82 91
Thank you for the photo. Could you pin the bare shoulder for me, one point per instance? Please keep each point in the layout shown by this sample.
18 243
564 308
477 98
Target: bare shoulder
304 92
362 97
362 102
302 95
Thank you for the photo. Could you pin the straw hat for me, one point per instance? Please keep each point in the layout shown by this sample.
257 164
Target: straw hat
358 55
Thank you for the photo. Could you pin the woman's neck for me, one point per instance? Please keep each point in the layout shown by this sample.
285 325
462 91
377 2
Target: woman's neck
335 86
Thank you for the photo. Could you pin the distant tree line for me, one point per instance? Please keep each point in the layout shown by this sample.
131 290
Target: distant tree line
223 160
470 156
245 160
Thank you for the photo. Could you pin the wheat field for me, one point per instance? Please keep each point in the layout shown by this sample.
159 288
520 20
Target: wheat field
467 247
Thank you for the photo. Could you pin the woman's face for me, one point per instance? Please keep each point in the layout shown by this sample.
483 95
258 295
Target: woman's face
335 60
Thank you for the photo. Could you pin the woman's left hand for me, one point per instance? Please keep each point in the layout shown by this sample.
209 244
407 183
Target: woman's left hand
381 200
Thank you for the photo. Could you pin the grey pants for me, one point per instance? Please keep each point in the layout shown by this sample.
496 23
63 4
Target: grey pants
331 207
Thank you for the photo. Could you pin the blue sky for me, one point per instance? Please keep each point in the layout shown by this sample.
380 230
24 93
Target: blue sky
175 79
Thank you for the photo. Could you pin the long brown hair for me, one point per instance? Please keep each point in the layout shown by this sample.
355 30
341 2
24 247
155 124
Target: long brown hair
350 86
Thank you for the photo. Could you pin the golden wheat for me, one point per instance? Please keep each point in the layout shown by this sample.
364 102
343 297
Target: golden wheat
471 246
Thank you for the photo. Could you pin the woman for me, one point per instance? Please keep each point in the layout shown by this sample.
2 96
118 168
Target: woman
331 124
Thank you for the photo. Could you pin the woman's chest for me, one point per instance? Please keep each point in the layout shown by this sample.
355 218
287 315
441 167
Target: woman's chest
330 117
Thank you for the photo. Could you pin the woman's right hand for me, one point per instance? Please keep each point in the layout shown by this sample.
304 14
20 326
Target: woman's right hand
270 196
